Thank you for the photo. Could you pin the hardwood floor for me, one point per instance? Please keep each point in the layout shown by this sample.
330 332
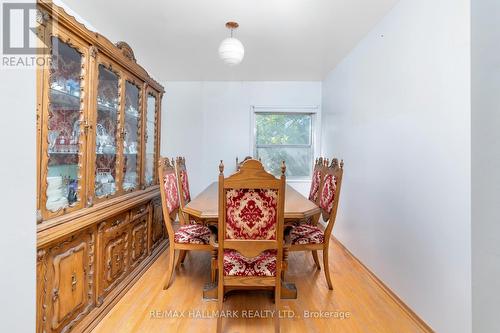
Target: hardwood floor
358 296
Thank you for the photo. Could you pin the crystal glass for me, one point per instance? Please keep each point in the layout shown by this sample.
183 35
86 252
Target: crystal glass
64 126
150 139
131 142
106 132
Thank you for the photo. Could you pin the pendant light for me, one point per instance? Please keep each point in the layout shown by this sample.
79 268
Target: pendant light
231 50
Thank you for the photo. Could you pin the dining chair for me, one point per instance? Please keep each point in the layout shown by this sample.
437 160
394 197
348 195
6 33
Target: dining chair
310 237
317 178
320 165
239 164
183 185
188 237
250 235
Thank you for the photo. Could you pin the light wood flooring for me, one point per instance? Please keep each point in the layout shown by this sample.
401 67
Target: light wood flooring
357 294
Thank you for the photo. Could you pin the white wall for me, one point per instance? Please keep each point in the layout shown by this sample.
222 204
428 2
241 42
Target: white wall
397 109
485 165
18 197
210 120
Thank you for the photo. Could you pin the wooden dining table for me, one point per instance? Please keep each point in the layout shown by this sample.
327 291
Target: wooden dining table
205 207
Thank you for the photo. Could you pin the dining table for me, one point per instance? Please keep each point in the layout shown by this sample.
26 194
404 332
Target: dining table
205 208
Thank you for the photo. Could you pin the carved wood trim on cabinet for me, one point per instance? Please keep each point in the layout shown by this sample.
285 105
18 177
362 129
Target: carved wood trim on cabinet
101 42
113 239
157 227
139 241
67 290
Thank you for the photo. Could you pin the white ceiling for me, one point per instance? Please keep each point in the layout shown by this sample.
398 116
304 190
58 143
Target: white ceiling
283 39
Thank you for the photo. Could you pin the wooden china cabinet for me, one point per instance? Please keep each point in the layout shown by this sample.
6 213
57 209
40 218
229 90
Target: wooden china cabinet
99 216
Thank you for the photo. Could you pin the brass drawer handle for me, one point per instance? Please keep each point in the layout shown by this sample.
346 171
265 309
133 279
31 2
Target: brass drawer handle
73 281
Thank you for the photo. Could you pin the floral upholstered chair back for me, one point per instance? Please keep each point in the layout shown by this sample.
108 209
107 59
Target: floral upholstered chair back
251 208
182 181
251 213
330 193
319 168
169 192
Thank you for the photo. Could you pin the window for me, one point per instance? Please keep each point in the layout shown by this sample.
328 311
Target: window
285 136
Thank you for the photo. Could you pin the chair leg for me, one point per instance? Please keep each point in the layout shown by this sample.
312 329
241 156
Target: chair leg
171 261
213 271
327 268
220 301
316 259
220 287
277 307
213 265
182 256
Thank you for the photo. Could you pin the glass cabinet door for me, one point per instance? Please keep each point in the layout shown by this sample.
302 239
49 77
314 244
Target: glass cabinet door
63 121
131 137
106 132
150 139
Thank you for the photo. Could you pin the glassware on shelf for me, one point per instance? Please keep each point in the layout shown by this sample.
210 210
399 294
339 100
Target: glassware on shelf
150 141
104 142
105 182
130 180
131 141
52 136
63 126
75 135
55 194
132 148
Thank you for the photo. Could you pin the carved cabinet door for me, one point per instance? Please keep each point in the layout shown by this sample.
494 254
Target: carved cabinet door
139 241
157 226
113 240
70 280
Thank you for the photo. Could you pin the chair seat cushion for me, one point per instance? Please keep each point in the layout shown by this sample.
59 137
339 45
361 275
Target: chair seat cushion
192 234
236 264
306 234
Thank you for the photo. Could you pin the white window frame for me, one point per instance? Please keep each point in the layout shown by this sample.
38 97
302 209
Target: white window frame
313 110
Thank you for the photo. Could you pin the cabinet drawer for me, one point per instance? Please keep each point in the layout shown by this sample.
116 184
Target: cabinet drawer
138 211
68 281
138 241
113 257
158 231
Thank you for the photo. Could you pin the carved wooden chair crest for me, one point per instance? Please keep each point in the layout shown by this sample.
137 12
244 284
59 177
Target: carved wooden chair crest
239 164
250 235
310 237
188 236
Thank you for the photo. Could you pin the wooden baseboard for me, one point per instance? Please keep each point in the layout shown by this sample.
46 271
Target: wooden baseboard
98 313
409 312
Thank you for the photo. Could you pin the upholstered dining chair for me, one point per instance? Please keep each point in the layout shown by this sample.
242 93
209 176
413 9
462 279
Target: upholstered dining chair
239 164
188 237
320 165
250 235
183 185
310 237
